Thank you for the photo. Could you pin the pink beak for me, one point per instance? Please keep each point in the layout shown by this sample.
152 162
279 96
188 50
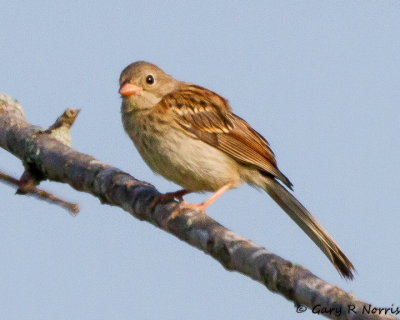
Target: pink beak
128 89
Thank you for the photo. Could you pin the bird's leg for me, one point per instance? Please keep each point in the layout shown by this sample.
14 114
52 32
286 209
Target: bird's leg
203 206
169 196
176 195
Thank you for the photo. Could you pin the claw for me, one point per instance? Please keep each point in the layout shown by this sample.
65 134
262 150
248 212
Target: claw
193 206
203 206
169 196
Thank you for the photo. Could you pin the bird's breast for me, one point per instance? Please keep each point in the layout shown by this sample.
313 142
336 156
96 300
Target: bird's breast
180 158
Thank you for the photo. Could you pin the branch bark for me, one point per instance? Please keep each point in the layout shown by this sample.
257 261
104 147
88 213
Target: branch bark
72 208
59 162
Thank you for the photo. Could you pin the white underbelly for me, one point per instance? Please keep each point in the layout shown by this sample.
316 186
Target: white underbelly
190 163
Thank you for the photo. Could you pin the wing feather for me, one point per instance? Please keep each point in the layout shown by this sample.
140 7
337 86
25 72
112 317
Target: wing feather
207 116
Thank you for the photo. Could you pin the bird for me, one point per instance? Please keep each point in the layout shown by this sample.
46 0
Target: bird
190 136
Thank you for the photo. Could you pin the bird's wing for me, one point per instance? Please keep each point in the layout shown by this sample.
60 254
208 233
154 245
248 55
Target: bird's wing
207 116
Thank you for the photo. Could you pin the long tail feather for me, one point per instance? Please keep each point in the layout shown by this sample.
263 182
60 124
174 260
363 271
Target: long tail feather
310 226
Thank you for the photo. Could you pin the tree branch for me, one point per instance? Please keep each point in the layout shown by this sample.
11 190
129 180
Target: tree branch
72 208
58 162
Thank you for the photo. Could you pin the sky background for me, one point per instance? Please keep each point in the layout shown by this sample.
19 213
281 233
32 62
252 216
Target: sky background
319 79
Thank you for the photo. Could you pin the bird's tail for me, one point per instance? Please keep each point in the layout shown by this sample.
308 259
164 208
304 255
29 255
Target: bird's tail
310 226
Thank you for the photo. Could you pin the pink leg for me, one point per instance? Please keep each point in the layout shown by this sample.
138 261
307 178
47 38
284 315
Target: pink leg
203 206
176 195
169 196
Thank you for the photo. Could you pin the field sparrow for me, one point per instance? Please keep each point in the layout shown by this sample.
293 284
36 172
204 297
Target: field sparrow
189 135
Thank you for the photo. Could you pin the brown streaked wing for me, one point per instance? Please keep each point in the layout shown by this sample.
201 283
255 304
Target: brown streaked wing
208 117
248 146
200 108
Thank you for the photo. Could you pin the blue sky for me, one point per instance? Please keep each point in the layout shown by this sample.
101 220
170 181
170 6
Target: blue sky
320 80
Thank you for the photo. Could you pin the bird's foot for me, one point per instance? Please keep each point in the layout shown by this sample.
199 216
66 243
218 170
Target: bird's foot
183 205
193 206
169 196
204 205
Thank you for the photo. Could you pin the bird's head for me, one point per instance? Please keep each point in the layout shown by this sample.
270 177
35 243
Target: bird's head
143 85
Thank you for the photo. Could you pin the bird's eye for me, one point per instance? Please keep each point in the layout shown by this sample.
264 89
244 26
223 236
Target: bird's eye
150 79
